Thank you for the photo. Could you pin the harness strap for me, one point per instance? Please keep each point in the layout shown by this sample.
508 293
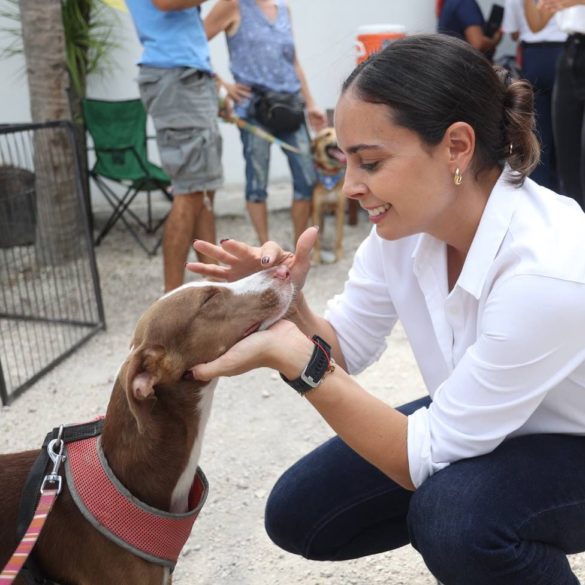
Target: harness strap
31 492
32 487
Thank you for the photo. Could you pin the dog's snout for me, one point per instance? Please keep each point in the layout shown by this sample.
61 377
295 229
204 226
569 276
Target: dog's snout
282 273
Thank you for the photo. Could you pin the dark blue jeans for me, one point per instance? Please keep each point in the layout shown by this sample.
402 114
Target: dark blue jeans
539 63
569 119
506 518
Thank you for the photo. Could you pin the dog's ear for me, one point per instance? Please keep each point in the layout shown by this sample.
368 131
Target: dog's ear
142 371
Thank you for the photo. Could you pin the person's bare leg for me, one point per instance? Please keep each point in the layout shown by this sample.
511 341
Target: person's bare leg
259 216
300 211
178 236
205 228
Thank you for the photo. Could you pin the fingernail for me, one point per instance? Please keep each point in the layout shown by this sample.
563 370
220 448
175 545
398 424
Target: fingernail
223 240
265 260
195 240
316 227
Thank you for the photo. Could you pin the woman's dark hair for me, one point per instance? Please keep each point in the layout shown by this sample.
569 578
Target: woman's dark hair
432 81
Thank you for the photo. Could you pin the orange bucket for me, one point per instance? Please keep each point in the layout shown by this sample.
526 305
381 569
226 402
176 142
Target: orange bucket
374 37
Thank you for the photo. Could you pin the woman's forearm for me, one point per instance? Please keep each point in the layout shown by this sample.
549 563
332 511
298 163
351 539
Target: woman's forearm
312 324
536 19
372 428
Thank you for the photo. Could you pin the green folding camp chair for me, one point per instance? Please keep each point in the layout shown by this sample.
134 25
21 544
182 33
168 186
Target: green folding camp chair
118 132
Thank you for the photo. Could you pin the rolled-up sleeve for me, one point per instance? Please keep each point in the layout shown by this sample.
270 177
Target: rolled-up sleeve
531 337
363 314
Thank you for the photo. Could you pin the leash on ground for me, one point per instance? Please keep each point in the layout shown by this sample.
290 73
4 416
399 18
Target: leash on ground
50 489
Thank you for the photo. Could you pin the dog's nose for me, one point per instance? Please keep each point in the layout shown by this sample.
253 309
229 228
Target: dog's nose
282 272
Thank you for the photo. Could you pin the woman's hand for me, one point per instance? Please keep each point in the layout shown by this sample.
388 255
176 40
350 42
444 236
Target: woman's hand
238 260
282 347
237 91
317 118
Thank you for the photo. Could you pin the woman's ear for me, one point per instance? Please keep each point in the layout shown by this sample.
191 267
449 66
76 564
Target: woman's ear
459 139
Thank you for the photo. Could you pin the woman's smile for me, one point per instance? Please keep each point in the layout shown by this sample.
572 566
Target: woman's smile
377 214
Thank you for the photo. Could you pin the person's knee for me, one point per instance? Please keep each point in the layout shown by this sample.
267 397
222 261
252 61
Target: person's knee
280 517
448 527
453 524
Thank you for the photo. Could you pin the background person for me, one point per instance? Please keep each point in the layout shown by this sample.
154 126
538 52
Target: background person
569 91
263 57
485 270
179 92
539 53
463 19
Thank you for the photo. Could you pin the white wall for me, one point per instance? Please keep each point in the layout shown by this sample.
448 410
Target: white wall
324 32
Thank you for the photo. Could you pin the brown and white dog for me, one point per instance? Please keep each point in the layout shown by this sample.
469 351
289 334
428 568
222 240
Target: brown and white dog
327 196
153 428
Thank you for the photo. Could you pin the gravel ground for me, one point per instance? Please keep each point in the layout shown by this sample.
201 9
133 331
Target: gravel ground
258 426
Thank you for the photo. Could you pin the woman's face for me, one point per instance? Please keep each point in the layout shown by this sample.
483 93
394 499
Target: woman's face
406 186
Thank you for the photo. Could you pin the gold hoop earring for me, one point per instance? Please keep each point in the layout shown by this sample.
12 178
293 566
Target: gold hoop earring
457 177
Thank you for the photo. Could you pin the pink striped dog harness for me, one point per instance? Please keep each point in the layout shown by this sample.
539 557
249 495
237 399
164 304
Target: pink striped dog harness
155 535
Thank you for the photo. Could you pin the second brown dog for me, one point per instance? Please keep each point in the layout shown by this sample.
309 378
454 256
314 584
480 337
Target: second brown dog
327 196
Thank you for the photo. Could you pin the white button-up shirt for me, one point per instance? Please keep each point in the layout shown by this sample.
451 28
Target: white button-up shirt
502 353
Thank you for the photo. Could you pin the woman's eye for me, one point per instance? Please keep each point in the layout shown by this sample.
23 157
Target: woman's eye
369 166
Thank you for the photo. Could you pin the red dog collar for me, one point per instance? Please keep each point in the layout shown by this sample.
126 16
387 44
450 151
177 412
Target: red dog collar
152 534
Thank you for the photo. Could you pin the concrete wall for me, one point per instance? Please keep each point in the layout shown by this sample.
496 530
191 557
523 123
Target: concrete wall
324 30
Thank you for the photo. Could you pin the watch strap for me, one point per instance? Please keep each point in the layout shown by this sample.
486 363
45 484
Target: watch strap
315 370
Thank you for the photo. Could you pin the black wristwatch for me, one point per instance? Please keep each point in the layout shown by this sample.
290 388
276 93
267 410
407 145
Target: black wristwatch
320 363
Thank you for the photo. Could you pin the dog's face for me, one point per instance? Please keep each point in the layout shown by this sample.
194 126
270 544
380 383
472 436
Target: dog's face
326 153
197 323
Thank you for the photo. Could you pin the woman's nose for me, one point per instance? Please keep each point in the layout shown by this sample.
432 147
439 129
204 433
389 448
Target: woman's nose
352 188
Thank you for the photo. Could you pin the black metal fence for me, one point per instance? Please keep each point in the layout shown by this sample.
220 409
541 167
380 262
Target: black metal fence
50 299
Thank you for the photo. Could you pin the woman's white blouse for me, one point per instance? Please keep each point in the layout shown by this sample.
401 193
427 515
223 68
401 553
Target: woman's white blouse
571 20
503 353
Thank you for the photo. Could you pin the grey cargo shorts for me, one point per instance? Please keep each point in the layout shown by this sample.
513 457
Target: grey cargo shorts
183 104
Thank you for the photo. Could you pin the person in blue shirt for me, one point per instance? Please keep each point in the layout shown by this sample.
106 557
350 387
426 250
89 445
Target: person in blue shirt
179 91
463 19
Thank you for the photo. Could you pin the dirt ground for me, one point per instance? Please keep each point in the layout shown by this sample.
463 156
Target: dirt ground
258 426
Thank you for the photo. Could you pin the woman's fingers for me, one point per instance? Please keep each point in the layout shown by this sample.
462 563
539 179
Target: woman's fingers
240 251
302 262
213 251
245 355
258 350
305 244
270 254
219 367
243 90
209 270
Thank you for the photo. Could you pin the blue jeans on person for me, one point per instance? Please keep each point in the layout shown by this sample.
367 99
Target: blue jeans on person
539 63
257 159
506 518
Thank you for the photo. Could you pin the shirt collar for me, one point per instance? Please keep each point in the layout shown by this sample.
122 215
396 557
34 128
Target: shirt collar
490 234
493 227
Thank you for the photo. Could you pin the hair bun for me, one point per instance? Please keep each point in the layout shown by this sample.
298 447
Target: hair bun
520 148
504 75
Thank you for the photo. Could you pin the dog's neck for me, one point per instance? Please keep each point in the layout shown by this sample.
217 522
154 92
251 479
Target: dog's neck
158 464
